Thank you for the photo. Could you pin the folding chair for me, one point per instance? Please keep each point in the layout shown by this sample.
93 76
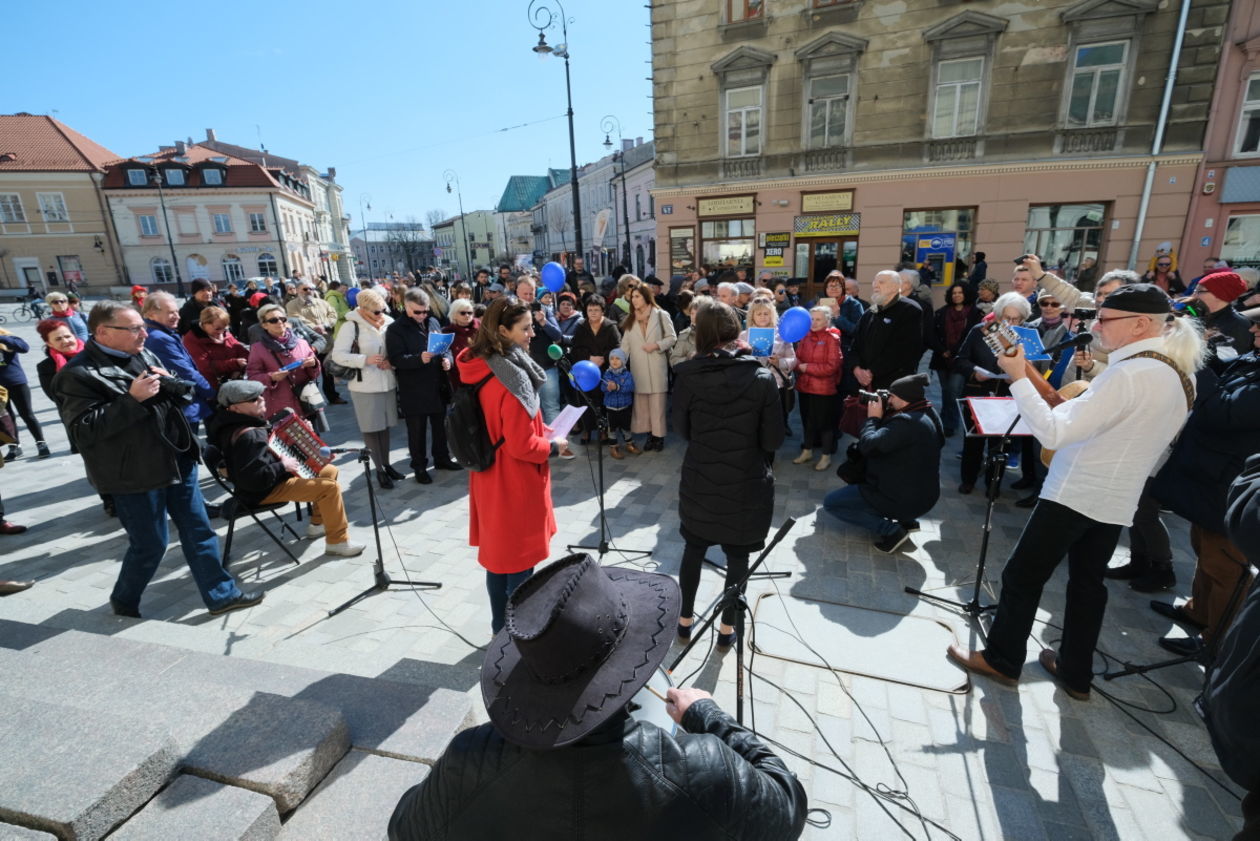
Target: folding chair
235 507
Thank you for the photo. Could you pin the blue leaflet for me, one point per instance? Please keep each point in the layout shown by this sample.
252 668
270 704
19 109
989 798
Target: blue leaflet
1034 350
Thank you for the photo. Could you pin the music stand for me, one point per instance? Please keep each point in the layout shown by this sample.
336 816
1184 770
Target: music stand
381 580
994 469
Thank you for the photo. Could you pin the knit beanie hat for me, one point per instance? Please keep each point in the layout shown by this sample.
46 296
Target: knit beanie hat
911 389
1227 286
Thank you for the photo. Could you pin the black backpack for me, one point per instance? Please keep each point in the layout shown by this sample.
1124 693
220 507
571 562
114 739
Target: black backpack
466 434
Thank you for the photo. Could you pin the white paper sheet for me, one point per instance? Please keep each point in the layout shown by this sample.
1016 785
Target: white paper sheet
563 424
994 415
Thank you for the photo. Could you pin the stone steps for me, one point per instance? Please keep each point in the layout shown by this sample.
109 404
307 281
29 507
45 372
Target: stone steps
238 729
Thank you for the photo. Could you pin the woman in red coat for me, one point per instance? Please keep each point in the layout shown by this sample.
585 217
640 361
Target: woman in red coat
818 366
510 517
218 355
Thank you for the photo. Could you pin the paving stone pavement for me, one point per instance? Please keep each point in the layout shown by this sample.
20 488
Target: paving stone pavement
992 763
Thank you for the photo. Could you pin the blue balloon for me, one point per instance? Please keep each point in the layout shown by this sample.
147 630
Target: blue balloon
352 296
586 374
794 324
553 277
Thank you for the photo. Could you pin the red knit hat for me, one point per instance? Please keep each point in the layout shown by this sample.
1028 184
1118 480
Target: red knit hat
137 288
1227 286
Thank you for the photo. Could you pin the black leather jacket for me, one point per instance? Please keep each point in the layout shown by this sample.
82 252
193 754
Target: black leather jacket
626 781
123 442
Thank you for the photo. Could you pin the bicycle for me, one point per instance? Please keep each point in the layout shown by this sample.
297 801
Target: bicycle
31 310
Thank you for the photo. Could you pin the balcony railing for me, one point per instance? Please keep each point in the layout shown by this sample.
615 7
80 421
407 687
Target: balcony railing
741 167
824 160
1088 141
950 149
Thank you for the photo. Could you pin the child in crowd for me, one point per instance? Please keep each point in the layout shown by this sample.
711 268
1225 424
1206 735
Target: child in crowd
618 388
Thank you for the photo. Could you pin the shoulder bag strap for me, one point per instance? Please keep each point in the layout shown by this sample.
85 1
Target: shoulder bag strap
1186 386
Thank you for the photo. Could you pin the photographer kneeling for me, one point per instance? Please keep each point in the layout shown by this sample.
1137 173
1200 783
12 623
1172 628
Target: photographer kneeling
894 469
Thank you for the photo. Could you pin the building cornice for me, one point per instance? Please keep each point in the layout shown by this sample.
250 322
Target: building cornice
922 173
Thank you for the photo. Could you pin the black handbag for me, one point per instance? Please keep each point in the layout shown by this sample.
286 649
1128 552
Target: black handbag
345 372
853 469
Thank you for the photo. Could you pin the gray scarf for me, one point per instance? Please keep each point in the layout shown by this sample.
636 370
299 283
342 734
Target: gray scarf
520 375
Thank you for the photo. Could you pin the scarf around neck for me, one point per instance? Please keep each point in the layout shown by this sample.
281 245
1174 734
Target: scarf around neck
286 343
520 375
60 359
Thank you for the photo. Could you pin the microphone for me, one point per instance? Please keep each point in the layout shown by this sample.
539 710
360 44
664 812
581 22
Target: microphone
329 452
1080 340
557 353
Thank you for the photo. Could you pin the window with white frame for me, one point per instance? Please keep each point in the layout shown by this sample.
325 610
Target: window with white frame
743 122
1249 122
258 223
162 270
11 208
222 223
53 207
956 111
233 272
174 177
828 110
212 176
267 265
148 225
137 177
1098 72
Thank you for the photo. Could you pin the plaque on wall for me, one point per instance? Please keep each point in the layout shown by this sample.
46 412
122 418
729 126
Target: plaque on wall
725 206
827 202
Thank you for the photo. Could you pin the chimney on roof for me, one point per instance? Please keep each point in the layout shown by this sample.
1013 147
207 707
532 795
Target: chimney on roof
180 148
210 135
332 173
190 140
626 144
638 141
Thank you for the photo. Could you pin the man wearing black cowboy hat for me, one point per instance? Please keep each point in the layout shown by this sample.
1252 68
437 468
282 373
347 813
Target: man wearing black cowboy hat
562 756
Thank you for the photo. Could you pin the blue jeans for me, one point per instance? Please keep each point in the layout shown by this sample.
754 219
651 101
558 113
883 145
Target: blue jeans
951 389
846 504
500 586
549 395
143 516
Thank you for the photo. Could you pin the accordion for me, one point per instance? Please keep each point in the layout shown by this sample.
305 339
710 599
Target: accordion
293 437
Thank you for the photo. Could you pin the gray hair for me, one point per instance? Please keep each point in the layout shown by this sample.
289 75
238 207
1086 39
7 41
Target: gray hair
1184 344
1126 278
155 300
105 312
266 309
909 276
415 295
730 287
460 305
1012 299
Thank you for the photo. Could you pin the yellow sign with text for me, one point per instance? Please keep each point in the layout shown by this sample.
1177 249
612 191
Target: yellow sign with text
728 206
827 202
828 225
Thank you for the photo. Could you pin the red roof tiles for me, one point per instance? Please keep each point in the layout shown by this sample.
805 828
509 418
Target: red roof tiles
38 143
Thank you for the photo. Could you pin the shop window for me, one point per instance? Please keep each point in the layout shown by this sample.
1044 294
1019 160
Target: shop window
728 243
1242 241
941 239
1063 235
1249 121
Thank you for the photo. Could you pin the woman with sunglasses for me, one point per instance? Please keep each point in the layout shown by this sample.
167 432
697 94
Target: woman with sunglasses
360 344
62 311
279 347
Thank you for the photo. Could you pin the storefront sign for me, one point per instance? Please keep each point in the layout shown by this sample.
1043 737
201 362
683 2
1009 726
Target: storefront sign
728 206
776 246
682 251
827 225
667 209
827 202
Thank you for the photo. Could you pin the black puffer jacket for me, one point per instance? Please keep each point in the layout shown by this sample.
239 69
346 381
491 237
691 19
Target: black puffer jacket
903 462
1219 436
421 385
727 409
627 781
889 342
254 470
127 446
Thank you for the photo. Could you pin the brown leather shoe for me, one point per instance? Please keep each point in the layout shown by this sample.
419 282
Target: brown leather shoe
8 588
973 661
632 449
615 451
1049 661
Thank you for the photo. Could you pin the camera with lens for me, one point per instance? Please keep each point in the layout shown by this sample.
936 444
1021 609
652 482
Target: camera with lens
868 397
535 306
1084 313
1019 261
175 389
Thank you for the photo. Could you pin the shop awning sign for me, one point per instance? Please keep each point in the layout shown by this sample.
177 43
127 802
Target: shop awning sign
827 225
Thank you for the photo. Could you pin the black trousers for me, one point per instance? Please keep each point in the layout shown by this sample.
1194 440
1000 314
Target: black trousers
20 404
818 422
1053 531
1148 536
416 426
689 575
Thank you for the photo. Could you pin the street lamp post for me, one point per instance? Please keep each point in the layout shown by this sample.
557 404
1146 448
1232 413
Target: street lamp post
367 252
451 175
541 17
608 125
156 180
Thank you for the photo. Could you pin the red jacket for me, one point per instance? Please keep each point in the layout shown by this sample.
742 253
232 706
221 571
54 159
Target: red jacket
510 516
818 362
216 361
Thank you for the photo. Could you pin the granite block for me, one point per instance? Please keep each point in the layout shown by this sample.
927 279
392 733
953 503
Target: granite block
191 807
356 800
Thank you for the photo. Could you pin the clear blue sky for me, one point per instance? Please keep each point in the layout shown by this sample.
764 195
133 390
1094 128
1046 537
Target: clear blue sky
390 92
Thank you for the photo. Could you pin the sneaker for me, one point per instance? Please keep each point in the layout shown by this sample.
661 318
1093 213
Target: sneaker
345 550
315 530
823 463
14 452
806 455
244 600
889 544
44 452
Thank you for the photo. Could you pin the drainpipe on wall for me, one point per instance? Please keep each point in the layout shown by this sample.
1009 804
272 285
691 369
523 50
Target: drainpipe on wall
1158 144
284 257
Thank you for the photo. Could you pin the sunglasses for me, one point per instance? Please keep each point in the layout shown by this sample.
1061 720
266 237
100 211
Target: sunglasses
1049 303
280 319
1163 265
376 312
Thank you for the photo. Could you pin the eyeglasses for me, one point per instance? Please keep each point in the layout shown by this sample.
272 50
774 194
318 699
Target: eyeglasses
279 319
376 312
1163 265
135 331
1049 303
1114 318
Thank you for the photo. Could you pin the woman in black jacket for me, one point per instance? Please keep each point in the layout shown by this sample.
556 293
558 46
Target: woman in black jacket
726 407
950 325
593 340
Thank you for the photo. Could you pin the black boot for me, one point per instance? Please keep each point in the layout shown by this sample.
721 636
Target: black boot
382 479
1159 577
1135 568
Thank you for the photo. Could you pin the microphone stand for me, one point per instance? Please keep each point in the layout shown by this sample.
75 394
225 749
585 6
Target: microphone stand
381 580
601 424
734 595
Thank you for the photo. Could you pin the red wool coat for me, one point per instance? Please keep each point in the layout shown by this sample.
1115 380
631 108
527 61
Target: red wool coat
510 516
818 362
216 361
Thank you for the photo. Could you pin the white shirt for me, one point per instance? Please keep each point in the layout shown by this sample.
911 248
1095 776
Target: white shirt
1109 439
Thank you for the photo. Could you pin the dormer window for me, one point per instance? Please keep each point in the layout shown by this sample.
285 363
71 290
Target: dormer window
212 176
137 178
174 177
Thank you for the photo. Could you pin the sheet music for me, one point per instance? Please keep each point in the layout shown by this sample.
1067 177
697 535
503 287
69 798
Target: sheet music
993 415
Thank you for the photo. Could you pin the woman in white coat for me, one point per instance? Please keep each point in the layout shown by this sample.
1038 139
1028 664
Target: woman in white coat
647 334
360 344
